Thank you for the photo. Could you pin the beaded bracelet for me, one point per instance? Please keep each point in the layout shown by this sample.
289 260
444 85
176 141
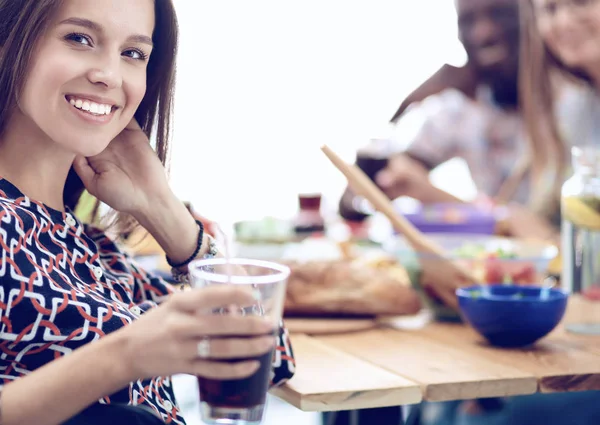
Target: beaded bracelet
183 277
196 251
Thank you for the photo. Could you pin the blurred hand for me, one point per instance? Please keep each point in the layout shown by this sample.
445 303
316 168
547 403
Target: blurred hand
403 176
406 177
520 222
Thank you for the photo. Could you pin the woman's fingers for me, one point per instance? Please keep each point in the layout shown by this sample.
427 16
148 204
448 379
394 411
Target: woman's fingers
227 348
84 170
195 326
213 297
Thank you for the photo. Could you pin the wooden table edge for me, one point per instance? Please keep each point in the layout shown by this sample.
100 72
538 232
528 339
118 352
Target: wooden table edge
350 400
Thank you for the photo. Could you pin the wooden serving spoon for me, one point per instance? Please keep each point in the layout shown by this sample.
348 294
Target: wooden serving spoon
443 275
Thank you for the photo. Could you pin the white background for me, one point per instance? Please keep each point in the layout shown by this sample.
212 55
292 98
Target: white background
262 84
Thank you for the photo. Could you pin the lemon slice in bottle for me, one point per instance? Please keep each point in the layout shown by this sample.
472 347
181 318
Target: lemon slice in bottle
578 212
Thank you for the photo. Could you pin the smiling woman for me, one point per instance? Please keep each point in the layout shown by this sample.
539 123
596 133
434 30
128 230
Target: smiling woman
84 84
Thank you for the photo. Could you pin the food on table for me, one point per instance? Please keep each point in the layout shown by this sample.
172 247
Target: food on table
337 278
375 286
497 266
266 230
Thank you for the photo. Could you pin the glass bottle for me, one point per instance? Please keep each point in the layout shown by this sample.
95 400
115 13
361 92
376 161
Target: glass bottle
580 208
309 219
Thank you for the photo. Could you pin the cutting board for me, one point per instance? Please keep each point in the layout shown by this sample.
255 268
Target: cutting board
324 326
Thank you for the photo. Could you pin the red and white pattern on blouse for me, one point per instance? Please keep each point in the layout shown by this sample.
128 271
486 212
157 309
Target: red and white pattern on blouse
64 284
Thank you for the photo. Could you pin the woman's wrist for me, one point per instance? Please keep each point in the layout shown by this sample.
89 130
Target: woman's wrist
117 346
174 228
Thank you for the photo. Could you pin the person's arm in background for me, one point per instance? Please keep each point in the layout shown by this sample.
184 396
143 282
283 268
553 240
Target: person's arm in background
415 164
408 175
447 77
433 130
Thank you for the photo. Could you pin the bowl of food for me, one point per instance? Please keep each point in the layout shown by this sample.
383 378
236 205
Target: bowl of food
492 260
512 315
264 239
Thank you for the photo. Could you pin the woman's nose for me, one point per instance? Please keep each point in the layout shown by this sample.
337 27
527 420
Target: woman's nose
106 72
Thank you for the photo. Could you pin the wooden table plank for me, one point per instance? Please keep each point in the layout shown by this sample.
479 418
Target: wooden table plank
327 379
559 362
444 372
384 367
582 310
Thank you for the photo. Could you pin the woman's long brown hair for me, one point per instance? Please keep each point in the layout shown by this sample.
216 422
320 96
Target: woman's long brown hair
23 22
540 73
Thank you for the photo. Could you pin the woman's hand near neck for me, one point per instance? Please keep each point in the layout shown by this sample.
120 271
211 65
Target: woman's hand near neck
129 177
33 162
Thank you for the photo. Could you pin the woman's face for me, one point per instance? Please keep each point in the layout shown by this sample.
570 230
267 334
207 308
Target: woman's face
87 75
571 30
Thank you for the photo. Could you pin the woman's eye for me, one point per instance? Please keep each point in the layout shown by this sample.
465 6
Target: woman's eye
550 7
135 54
79 39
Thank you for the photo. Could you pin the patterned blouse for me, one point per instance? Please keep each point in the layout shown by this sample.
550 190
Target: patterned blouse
65 284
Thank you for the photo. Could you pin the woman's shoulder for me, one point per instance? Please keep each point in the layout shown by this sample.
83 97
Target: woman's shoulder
15 217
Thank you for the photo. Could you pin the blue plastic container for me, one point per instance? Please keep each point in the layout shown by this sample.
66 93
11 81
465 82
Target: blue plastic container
453 218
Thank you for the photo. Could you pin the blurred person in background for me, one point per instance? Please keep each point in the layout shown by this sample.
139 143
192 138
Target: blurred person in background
471 113
560 79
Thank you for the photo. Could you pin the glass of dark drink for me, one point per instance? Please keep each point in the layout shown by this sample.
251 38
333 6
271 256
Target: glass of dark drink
373 157
241 401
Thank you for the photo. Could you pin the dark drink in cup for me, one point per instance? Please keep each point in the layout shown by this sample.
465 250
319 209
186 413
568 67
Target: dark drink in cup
370 165
371 161
241 401
239 393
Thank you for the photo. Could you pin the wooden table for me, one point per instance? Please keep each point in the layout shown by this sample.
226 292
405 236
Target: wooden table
438 362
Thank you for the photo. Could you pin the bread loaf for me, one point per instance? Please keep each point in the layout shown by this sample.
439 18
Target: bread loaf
349 287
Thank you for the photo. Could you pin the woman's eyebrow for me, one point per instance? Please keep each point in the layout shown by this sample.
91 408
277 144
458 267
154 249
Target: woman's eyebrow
86 23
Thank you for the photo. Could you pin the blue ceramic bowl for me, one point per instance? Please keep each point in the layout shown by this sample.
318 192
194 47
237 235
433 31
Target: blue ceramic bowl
510 315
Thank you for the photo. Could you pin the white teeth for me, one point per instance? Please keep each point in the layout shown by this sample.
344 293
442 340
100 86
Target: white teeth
91 107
